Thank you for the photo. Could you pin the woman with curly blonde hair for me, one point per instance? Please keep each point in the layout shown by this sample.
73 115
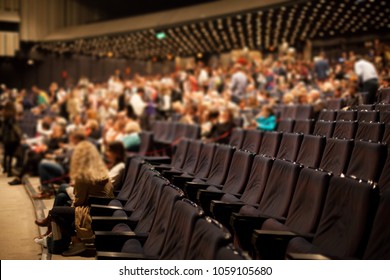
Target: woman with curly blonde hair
89 176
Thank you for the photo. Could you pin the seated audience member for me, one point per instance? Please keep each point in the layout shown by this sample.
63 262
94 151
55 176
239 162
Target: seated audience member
33 154
114 156
90 176
221 130
353 99
55 166
131 139
266 120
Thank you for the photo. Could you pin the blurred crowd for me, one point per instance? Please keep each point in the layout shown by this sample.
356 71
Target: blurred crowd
216 98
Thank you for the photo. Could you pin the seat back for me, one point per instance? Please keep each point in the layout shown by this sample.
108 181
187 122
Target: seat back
385 117
180 131
368 116
237 137
152 198
384 95
238 173
192 155
154 243
308 201
311 150
335 104
304 126
257 181
370 131
304 112
349 115
366 107
192 131
286 125
327 115
144 174
367 160
252 140
378 247
288 112
205 160
146 147
270 143
280 188
336 156
324 128
289 146
179 155
345 129
181 226
131 173
208 237
220 166
347 218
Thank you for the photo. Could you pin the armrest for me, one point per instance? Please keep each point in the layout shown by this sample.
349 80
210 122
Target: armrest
160 168
107 223
271 244
170 173
299 256
113 241
222 211
103 210
101 200
180 181
157 159
119 256
243 227
191 189
204 198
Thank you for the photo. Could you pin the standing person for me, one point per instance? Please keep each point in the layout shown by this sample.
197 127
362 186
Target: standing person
90 177
11 136
368 78
239 83
321 67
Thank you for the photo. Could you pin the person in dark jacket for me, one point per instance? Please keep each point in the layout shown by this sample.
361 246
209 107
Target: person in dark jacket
11 136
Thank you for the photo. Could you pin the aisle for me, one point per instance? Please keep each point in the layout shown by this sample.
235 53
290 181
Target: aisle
17 217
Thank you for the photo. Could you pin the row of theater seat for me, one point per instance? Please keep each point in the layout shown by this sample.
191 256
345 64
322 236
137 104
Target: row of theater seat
251 179
156 222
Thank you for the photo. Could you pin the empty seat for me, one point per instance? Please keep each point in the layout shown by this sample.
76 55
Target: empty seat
370 131
384 95
382 107
229 203
274 202
252 140
327 115
386 134
219 167
324 128
336 155
366 107
346 115
288 112
335 104
345 129
286 125
237 177
203 166
192 131
289 146
303 215
378 247
384 117
207 239
367 160
304 112
237 137
304 126
270 143
311 150
345 222
367 116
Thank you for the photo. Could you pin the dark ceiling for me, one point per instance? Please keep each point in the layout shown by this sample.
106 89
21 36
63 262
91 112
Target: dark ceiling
114 9
261 29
